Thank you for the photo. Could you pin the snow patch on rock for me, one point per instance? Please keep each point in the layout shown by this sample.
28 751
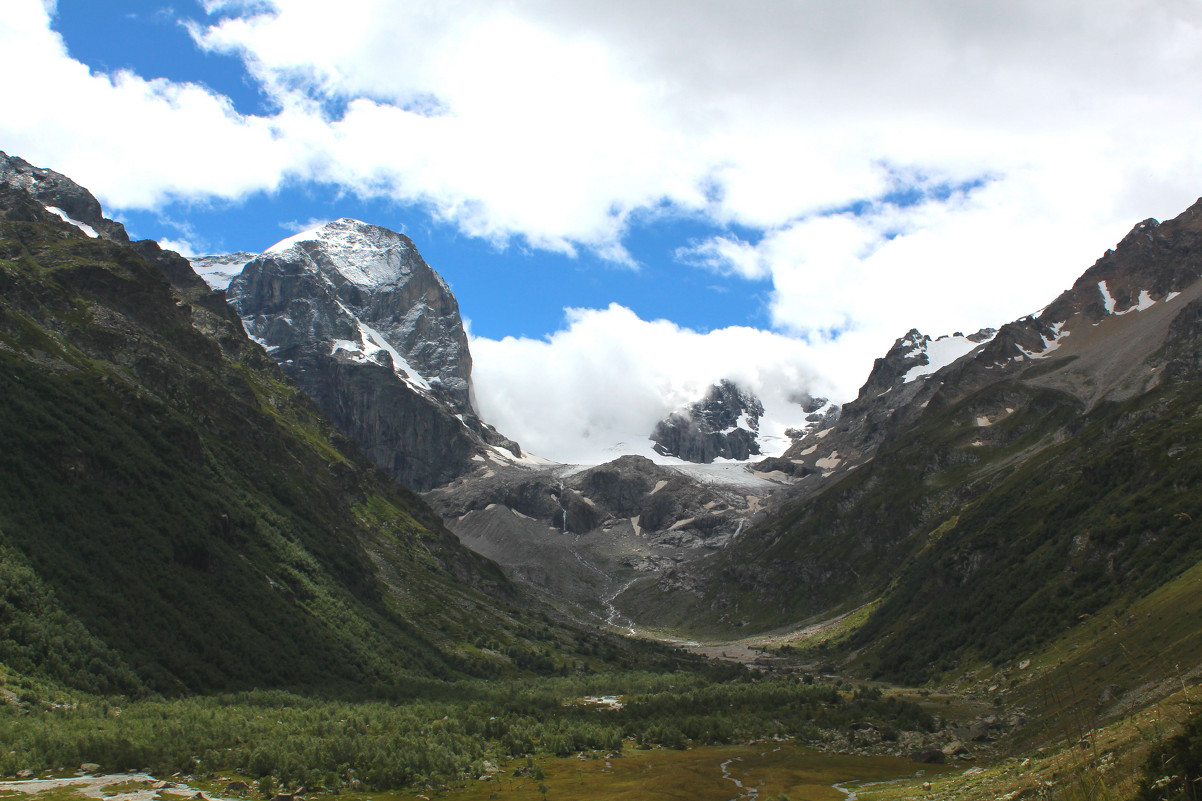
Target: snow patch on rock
87 229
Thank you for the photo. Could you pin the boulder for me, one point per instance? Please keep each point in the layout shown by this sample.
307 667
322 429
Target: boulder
955 748
928 756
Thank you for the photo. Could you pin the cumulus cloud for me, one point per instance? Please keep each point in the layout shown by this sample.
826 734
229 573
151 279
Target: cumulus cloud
133 141
930 164
597 388
297 226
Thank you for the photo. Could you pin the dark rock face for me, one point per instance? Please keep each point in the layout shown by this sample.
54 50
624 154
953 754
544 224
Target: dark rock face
621 485
1183 348
724 424
365 286
912 351
890 370
357 318
897 392
56 191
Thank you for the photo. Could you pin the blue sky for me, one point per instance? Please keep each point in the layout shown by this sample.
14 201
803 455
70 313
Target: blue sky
505 288
637 198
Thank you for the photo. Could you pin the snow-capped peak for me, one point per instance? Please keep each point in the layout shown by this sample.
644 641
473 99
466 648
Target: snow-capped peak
364 254
219 270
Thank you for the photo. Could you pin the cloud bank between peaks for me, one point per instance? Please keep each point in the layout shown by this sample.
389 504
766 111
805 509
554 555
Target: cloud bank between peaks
944 166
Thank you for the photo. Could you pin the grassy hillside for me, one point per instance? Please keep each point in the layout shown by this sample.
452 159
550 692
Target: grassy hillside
193 520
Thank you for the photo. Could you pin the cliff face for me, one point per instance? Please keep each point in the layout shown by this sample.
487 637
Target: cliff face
724 424
357 318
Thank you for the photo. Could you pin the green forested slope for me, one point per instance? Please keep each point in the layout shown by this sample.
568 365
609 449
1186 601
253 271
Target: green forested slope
192 517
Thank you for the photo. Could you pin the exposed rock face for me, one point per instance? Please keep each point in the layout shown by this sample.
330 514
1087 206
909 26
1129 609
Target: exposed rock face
61 196
722 425
586 536
357 318
916 355
896 392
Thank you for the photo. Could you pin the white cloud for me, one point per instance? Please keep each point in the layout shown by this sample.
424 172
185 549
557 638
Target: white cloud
726 255
609 376
132 141
296 226
181 246
556 120
557 123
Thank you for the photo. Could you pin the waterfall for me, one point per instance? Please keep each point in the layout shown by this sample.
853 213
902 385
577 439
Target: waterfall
738 531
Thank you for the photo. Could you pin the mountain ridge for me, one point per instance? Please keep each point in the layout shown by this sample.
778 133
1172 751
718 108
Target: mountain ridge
1056 418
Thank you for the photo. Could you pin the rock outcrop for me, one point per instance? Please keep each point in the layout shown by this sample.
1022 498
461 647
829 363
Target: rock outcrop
367 329
61 196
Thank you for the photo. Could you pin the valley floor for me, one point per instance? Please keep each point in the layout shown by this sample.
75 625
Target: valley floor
756 771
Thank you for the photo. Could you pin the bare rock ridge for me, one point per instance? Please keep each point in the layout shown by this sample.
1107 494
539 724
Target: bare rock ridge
367 329
61 196
583 536
724 424
77 207
916 355
897 390
1095 341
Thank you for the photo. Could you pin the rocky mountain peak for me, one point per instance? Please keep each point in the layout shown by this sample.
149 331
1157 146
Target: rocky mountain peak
372 333
916 355
363 291
351 251
1154 262
723 424
61 196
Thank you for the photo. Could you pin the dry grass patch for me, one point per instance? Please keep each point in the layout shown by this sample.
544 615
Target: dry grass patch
696 774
